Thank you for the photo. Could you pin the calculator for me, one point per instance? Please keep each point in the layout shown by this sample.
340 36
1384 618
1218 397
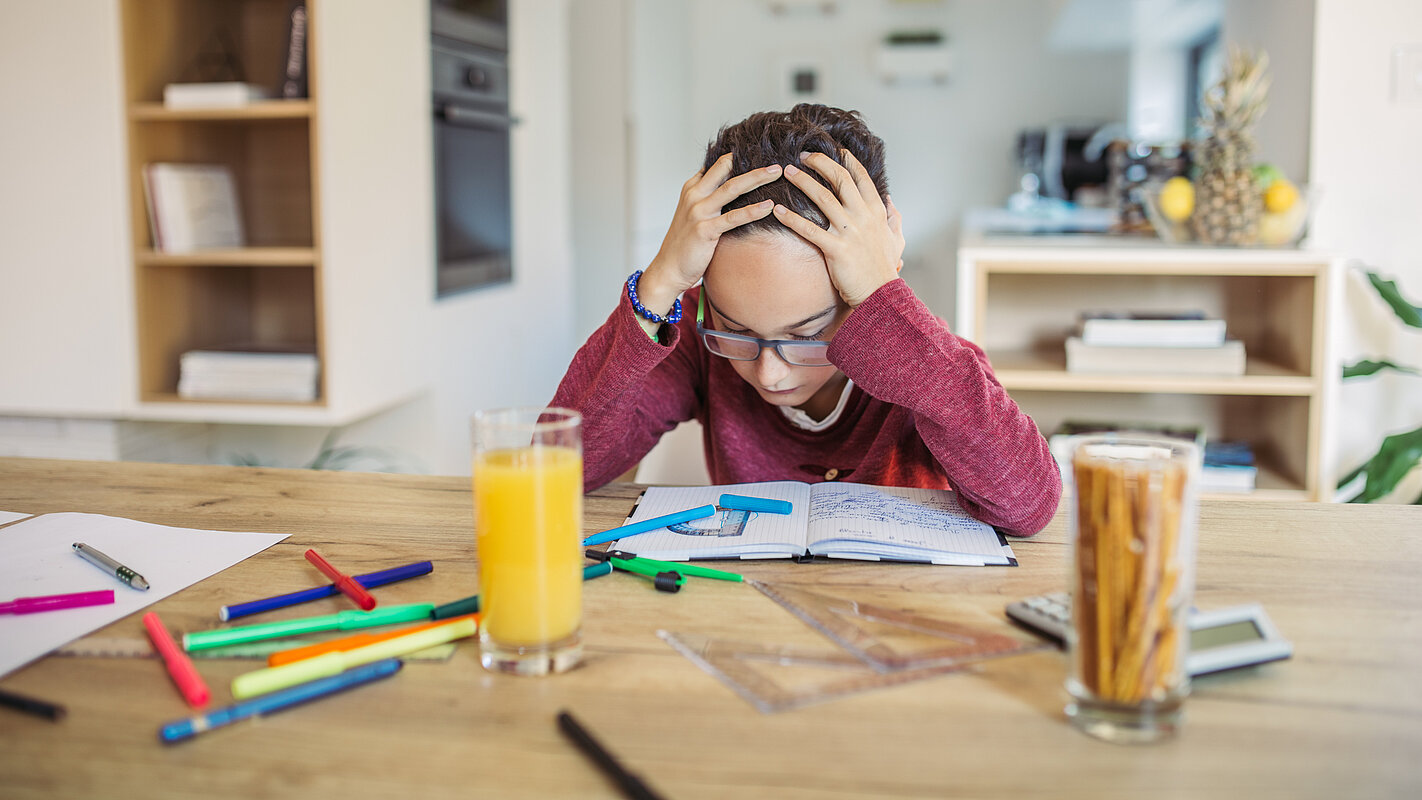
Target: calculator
1223 639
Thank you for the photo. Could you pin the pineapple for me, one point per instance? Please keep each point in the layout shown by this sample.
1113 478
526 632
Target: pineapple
1228 203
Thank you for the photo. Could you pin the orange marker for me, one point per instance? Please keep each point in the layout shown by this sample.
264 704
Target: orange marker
348 585
180 667
349 642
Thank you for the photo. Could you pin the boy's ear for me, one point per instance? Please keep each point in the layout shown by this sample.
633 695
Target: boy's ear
900 267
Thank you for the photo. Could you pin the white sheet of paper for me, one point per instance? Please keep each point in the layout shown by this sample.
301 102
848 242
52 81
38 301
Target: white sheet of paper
37 558
10 516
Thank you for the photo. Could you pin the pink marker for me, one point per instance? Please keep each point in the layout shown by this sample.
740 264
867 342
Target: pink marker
54 602
180 667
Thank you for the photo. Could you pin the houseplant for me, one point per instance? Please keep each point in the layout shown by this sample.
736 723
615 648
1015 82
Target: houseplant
1399 453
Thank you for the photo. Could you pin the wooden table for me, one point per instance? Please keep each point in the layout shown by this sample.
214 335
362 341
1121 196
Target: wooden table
1343 718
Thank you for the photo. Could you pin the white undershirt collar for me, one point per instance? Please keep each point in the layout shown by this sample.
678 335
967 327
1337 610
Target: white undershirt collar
804 421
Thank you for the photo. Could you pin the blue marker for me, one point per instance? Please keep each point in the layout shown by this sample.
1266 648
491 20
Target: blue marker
179 730
369 581
738 502
651 524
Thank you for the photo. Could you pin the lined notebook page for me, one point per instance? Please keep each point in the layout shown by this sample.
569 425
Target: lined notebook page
922 520
765 535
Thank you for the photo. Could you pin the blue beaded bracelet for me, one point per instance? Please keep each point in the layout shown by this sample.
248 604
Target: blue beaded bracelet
673 318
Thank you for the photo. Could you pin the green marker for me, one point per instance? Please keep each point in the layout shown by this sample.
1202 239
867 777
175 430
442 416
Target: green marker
685 569
642 566
344 621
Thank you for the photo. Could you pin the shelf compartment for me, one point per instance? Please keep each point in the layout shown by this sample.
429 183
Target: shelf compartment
183 308
271 166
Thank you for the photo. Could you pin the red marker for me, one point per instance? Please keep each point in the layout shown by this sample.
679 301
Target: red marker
345 583
180 667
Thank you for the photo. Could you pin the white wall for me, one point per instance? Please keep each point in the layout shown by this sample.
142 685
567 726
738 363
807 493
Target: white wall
66 345
1366 161
949 147
1285 30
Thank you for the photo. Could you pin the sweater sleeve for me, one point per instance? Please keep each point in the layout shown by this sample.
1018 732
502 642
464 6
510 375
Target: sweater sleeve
895 349
630 390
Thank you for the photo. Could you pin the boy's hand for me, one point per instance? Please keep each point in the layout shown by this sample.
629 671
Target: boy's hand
697 227
864 244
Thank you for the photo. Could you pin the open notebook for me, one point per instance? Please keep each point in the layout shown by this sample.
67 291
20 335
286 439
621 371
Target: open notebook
835 520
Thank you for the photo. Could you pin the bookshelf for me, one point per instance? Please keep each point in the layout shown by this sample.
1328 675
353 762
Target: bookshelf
1019 299
314 274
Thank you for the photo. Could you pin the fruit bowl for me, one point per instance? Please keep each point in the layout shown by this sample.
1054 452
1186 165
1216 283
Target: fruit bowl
1284 228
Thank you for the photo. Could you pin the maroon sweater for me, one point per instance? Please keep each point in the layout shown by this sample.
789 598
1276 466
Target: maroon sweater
925 411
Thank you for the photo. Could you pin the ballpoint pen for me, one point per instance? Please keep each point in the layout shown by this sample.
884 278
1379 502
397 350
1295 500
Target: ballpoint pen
182 729
344 582
110 566
55 602
369 580
652 524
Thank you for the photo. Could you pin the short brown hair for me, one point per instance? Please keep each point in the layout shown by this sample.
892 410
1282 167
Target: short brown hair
778 137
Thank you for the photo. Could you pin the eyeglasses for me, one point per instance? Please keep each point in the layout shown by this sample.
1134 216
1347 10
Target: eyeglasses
747 348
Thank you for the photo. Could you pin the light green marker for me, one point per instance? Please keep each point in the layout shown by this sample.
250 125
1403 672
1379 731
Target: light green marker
344 621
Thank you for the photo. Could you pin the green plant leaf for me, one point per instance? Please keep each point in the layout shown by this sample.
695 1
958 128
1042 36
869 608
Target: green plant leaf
1405 311
1370 367
1397 456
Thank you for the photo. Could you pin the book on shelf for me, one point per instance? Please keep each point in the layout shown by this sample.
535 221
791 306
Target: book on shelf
249 372
1152 329
192 207
1226 359
834 520
221 94
293 67
1228 467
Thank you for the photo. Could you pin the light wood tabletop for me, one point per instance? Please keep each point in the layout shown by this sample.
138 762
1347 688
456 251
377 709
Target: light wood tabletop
1342 718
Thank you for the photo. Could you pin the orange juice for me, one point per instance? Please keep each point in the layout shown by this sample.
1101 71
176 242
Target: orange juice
528 518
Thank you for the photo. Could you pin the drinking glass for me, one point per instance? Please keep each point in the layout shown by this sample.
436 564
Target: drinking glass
1132 516
528 522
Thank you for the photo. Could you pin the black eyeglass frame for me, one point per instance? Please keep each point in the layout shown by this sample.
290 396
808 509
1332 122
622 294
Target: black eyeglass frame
774 344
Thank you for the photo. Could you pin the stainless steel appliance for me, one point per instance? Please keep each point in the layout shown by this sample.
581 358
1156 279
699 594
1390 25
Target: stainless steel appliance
473 197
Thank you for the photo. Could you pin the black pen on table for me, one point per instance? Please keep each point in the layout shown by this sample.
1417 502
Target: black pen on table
31 705
628 782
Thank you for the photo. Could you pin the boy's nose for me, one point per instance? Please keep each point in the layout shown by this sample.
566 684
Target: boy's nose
769 368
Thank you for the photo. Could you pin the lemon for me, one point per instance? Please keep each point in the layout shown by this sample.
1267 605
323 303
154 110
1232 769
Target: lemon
1177 199
1280 196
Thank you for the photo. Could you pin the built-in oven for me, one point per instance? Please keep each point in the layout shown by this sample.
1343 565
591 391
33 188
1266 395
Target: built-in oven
473 186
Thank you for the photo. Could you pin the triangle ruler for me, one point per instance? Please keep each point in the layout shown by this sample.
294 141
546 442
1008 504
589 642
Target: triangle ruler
889 639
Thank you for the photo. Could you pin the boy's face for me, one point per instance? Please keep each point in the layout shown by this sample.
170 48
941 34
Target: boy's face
776 286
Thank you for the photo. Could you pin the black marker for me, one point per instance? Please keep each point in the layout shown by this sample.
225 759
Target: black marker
629 783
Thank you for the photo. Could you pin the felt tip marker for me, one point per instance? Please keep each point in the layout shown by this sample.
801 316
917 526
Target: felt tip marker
183 729
32 705
180 667
344 582
652 524
344 621
369 580
738 502
55 602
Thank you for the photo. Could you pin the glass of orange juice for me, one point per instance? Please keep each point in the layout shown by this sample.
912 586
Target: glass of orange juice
528 523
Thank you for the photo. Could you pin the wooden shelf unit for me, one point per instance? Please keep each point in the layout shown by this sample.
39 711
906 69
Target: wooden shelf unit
1019 301
268 293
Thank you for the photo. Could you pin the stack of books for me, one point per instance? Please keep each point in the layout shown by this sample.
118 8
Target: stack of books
1180 343
1228 467
248 373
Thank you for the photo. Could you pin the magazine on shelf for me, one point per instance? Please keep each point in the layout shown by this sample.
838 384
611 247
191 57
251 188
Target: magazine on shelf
1151 329
1224 360
832 519
192 207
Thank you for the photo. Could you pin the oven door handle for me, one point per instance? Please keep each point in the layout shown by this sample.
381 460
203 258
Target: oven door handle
473 118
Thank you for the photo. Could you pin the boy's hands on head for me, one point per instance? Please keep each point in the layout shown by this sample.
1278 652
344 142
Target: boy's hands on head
697 227
864 244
